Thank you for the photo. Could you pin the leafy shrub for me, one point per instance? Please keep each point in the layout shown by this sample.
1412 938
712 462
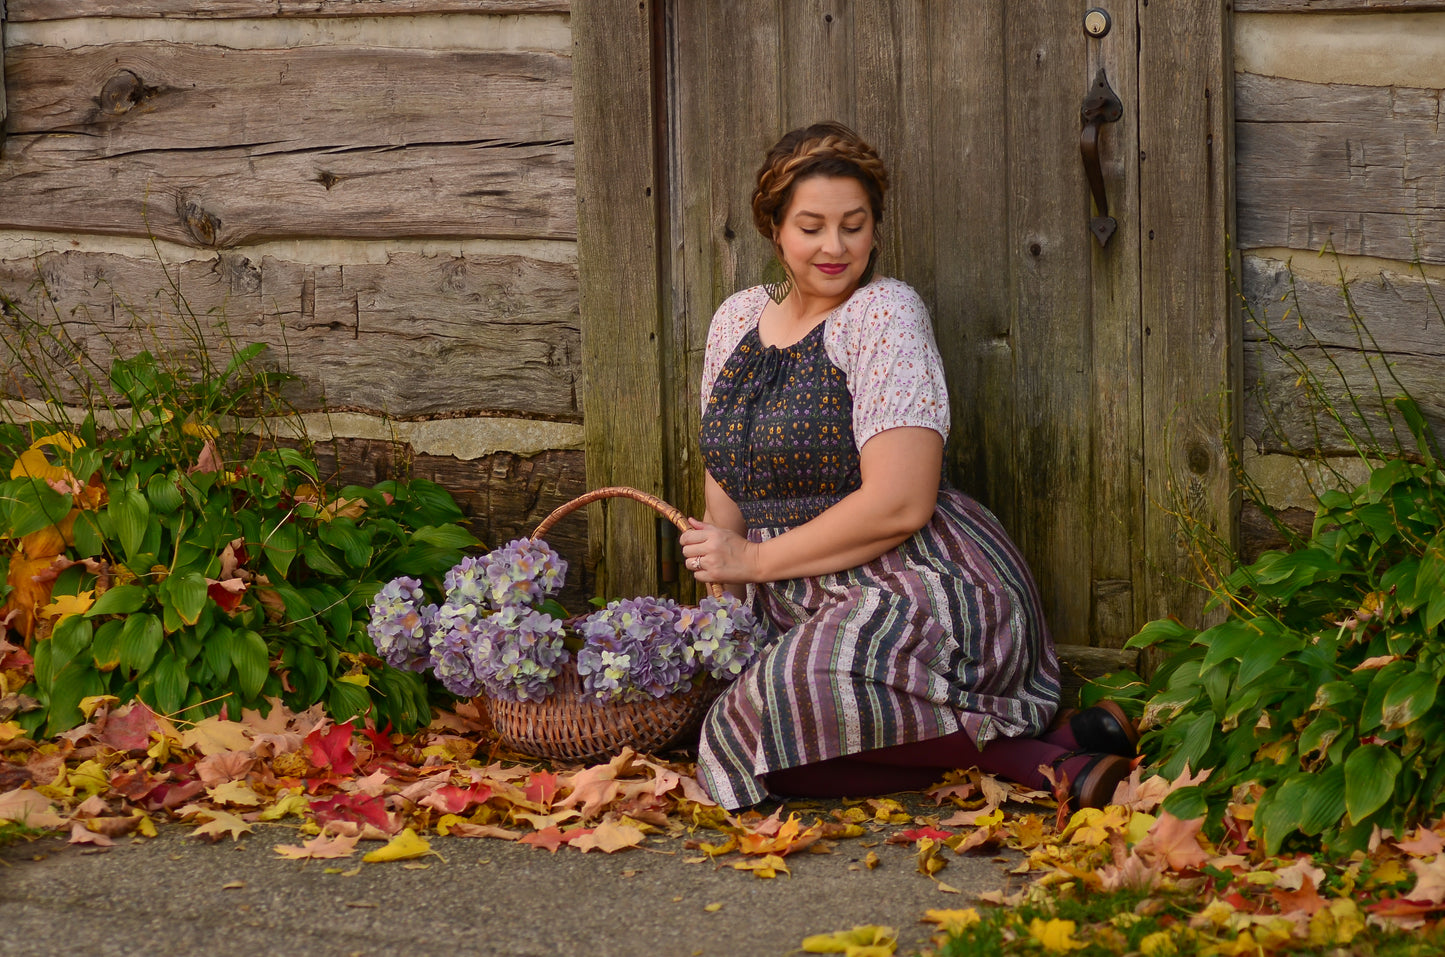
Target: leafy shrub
188 578
1314 704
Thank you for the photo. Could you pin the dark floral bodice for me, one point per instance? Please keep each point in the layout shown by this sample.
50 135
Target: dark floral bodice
777 433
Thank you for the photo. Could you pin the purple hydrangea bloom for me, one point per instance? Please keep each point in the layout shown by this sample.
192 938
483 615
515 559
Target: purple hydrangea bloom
725 634
453 632
517 652
635 650
521 572
399 624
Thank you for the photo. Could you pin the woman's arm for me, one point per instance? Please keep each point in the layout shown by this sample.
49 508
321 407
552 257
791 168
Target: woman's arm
899 491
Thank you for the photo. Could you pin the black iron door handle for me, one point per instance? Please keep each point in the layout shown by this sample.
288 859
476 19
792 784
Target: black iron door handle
1100 106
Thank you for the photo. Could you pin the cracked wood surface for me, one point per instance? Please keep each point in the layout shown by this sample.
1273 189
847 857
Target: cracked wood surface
27 10
1355 167
417 335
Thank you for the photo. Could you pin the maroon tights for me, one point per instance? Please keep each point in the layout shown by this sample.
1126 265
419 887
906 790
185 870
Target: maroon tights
917 764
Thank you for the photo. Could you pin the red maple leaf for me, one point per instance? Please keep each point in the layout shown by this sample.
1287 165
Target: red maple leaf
450 799
352 808
333 749
918 834
550 837
541 788
129 728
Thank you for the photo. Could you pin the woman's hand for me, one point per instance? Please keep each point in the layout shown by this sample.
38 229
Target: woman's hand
716 554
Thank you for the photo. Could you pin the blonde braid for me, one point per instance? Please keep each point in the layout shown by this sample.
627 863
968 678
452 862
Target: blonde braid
824 148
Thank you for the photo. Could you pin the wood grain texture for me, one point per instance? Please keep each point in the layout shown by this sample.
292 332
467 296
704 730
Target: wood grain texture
127 98
617 200
1050 330
1336 6
232 197
418 335
1384 341
1355 168
30 10
1190 345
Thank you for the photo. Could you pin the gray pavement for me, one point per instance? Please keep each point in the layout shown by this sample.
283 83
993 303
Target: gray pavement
175 895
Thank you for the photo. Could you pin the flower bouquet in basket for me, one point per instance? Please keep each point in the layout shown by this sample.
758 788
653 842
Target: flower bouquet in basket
638 672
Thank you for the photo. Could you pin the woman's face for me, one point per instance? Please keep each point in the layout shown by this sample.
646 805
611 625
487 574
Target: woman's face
826 236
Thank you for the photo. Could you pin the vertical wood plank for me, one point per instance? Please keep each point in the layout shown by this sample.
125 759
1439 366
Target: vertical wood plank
817 62
3 112
892 76
617 196
1190 351
1116 503
968 132
1048 244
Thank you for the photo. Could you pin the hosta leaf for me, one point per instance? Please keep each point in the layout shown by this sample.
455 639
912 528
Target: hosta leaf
319 560
33 506
105 649
70 638
130 515
170 684
252 661
1325 804
445 536
186 595
1282 810
73 683
1370 773
1409 698
139 639
162 494
120 600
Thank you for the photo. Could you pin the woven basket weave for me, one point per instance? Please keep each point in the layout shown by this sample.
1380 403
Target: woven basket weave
567 727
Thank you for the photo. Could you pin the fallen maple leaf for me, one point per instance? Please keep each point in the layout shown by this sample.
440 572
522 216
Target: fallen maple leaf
323 846
30 808
1429 880
217 823
405 846
864 940
608 837
1174 842
332 749
80 834
765 867
551 838
1425 843
215 735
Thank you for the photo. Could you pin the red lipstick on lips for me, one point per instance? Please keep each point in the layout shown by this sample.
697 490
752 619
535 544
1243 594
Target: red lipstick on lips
832 269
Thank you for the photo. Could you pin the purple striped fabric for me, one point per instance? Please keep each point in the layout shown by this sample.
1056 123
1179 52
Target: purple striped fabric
942 633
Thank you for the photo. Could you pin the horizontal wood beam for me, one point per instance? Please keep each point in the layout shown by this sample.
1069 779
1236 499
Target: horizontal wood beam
417 335
230 197
31 10
1336 6
157 95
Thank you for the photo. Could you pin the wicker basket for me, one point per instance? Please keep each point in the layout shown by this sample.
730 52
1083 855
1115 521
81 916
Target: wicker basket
565 726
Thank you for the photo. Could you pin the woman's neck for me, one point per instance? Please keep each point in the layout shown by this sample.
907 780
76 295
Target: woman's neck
785 323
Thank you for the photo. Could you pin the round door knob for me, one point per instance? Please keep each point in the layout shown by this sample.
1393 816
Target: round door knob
1096 23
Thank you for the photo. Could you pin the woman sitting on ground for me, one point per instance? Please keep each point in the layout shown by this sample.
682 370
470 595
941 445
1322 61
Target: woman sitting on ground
909 635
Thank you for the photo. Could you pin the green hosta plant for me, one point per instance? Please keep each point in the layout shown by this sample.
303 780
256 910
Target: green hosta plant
141 560
1319 694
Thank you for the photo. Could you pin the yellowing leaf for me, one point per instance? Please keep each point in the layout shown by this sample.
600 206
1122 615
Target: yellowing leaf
89 778
952 921
768 866
712 908
215 734
319 848
219 824
235 792
1057 936
609 837
64 606
879 940
403 847
293 803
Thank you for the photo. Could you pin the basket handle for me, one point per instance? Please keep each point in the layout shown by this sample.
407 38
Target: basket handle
622 491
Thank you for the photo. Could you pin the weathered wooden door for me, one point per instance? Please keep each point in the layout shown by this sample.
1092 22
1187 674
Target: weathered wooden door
1087 380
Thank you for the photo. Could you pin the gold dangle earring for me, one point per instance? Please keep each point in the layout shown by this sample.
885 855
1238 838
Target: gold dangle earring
777 281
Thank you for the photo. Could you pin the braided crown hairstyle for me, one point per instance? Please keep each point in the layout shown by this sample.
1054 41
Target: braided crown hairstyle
823 149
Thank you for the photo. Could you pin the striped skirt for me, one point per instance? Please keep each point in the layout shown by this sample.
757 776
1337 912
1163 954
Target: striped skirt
941 633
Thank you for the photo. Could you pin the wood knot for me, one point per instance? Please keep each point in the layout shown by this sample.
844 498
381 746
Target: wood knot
327 179
122 92
204 226
1198 457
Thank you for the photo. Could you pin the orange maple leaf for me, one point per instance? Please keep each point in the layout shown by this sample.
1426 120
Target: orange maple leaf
1174 842
321 847
608 837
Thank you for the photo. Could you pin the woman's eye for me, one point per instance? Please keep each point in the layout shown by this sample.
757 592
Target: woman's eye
809 232
852 229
